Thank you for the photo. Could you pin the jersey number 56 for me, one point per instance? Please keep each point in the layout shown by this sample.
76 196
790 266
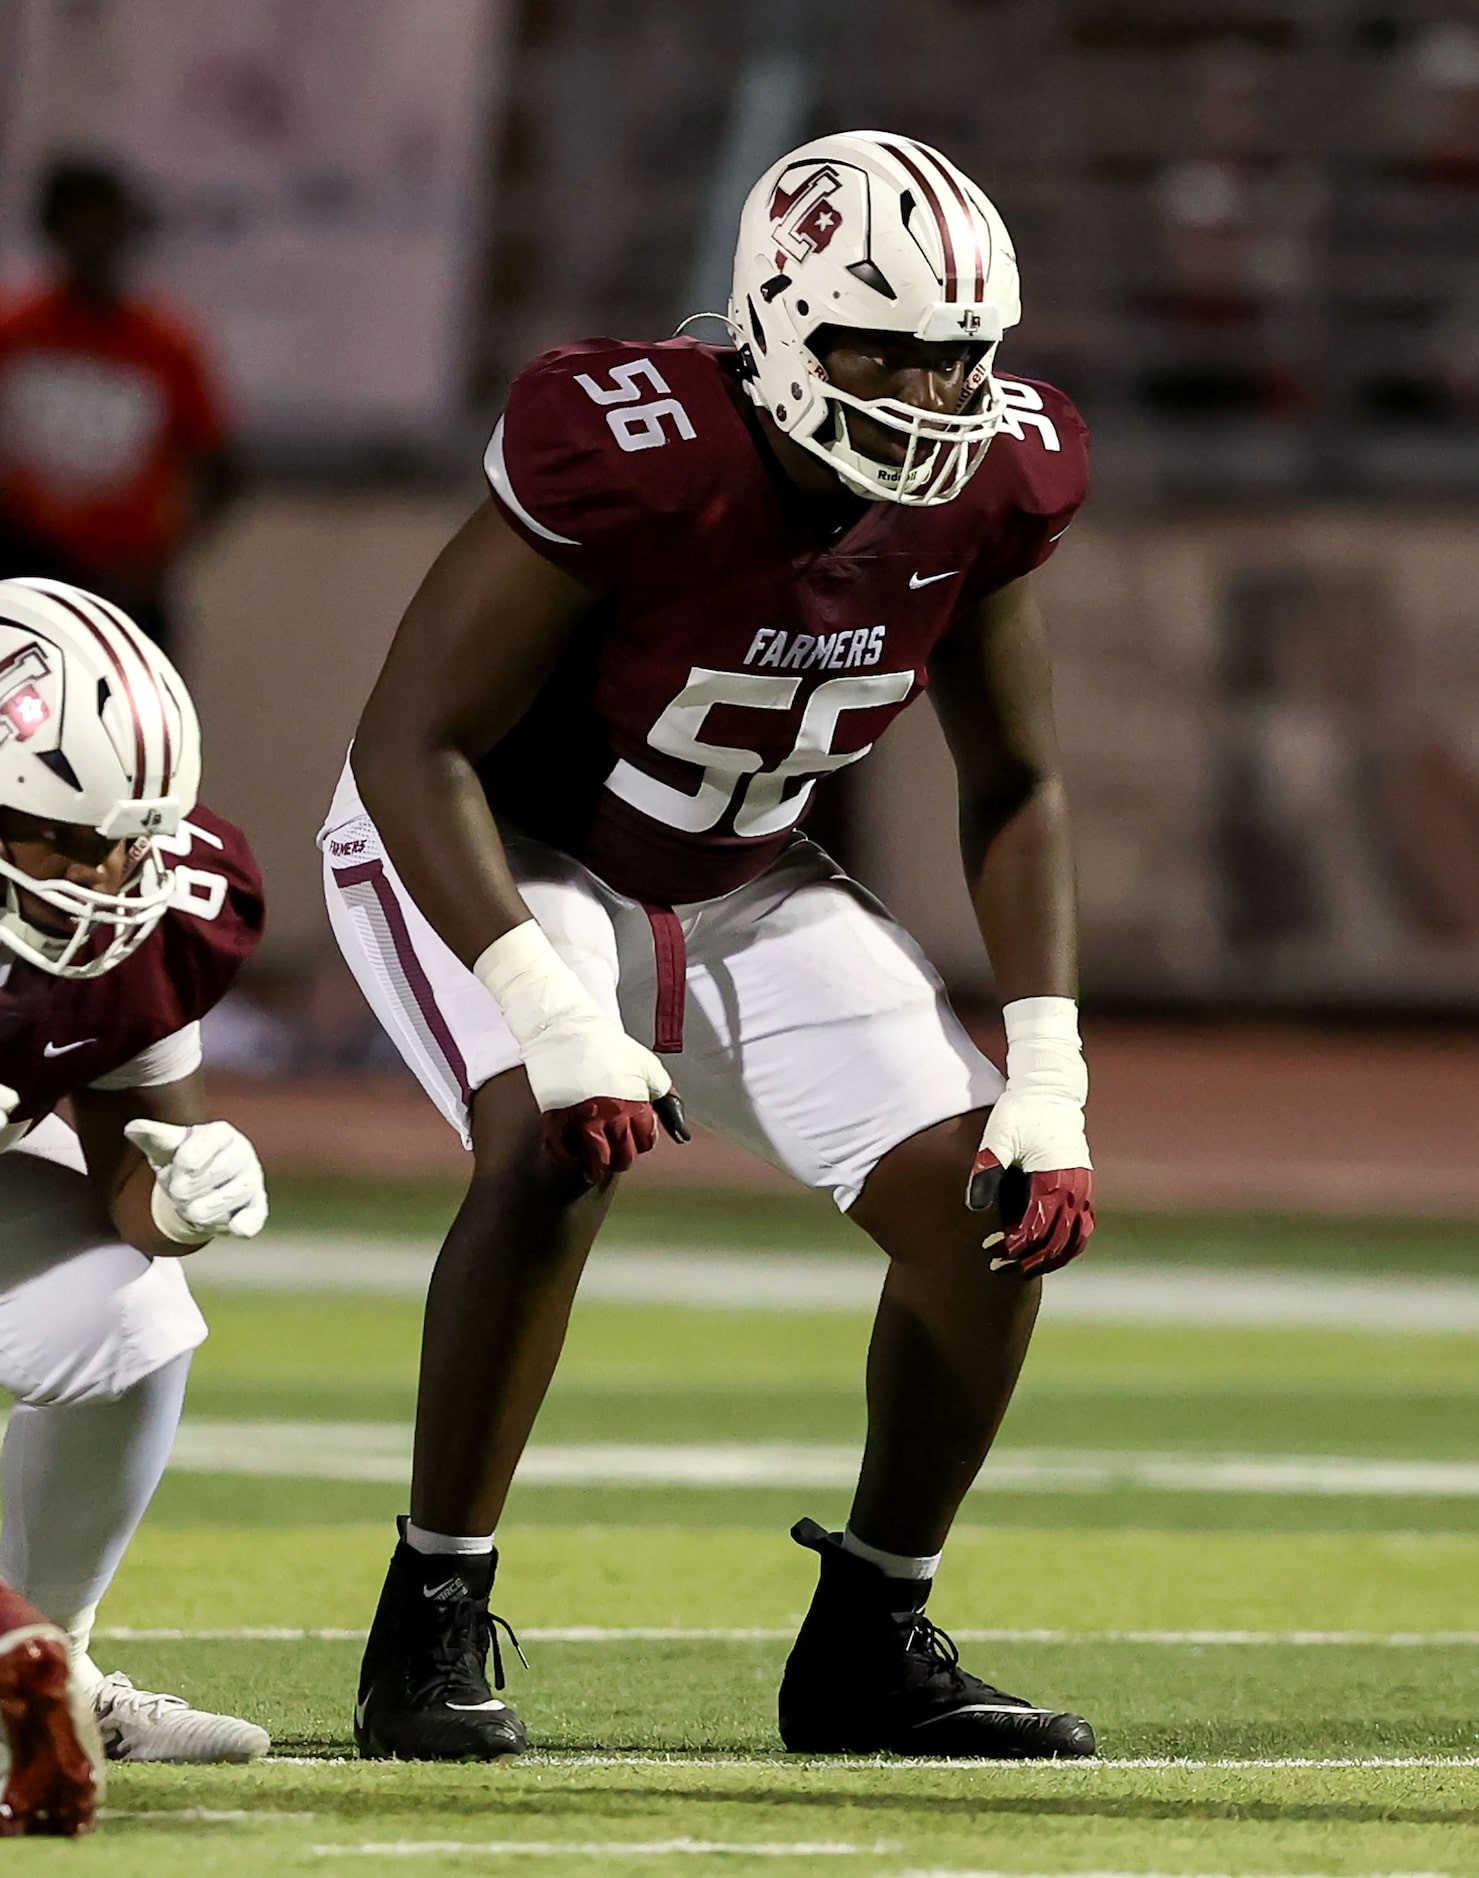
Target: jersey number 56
638 425
764 807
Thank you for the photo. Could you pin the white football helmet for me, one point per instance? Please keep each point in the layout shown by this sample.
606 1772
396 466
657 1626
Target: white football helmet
96 729
869 230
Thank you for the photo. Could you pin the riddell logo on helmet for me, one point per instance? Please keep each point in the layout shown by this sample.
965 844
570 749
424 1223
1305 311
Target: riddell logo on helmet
23 710
804 219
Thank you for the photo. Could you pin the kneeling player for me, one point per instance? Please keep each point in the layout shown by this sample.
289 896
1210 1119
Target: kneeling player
121 924
707 576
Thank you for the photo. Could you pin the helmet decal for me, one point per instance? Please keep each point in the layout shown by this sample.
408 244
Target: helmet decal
23 710
805 218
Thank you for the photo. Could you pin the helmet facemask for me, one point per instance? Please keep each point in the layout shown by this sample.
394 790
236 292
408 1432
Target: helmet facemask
104 927
944 449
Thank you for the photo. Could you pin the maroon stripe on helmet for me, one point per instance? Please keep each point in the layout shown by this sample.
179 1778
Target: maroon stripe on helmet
128 691
973 218
902 150
134 634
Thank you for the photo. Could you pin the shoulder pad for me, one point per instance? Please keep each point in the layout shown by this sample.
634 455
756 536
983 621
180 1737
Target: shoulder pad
216 920
599 439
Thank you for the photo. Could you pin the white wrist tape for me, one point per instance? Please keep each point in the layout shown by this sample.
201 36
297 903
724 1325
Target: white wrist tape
1044 1054
534 987
572 1051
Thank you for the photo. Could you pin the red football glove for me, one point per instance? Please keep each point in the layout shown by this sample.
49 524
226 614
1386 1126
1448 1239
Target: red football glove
597 1088
1033 1162
604 1135
1046 1218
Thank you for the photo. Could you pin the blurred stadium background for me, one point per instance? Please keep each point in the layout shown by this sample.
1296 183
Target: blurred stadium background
1249 237
1248 234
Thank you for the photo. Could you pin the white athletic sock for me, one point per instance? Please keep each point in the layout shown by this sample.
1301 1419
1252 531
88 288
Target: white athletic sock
446 1544
78 1477
891 1564
86 1671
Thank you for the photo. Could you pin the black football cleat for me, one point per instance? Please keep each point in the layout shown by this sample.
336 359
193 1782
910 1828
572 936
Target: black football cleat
870 1674
423 1691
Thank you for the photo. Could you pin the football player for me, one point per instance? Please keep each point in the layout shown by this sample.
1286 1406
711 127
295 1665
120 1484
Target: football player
121 924
565 863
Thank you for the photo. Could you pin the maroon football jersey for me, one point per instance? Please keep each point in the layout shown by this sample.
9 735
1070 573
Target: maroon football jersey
734 654
60 1034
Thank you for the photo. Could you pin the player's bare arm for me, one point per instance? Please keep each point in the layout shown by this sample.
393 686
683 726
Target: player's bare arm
477 643
472 651
125 1179
991 683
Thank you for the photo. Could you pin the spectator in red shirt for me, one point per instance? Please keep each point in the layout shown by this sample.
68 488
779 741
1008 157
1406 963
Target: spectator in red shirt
113 445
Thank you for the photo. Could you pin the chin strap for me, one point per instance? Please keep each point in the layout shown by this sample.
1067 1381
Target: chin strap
723 319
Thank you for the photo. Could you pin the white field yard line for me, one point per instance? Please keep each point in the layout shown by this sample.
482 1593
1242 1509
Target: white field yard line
802 1281
381 1452
609 1848
606 1633
1081 1770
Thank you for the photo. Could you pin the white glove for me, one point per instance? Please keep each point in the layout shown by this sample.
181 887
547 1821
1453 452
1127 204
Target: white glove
207 1180
596 1084
1037 1125
8 1100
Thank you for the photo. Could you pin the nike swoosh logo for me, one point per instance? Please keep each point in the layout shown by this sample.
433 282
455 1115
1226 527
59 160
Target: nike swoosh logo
359 1714
475 1708
985 1708
61 1049
917 581
448 1588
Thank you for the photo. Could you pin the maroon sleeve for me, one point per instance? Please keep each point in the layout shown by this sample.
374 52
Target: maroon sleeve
1032 484
216 921
577 462
1064 482
58 1035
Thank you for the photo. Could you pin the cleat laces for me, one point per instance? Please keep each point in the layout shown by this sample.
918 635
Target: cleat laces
928 1644
461 1648
142 1702
938 1654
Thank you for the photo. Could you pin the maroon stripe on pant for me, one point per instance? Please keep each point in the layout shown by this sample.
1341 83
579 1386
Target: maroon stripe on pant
373 874
671 955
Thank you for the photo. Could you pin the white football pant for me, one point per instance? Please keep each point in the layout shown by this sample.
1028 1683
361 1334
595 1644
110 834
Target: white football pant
815 1032
95 1346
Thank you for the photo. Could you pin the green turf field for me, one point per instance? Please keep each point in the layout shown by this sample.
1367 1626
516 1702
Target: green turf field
1249 1554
